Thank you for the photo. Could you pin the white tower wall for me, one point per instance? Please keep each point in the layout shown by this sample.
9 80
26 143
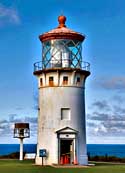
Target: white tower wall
51 101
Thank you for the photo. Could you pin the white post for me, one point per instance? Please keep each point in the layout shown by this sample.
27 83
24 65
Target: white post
59 156
21 148
74 151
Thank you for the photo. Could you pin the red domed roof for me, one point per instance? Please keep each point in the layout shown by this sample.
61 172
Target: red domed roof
61 32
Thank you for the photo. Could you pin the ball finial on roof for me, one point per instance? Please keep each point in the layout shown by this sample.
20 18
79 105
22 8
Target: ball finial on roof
62 20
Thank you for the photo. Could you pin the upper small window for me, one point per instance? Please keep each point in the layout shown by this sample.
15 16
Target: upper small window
41 81
51 81
65 80
78 80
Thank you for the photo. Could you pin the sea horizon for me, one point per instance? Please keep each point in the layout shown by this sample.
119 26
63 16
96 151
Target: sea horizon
86 144
117 150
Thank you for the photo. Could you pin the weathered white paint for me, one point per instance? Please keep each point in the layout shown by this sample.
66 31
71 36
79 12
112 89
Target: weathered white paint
51 100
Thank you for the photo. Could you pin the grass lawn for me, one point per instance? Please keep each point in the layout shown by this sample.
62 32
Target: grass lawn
15 166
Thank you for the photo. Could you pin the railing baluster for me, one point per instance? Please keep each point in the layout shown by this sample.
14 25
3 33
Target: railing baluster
39 66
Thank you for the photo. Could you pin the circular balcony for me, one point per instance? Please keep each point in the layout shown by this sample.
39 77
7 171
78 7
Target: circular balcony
58 65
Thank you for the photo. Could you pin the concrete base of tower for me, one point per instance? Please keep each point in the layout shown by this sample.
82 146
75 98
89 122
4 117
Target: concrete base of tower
38 161
83 160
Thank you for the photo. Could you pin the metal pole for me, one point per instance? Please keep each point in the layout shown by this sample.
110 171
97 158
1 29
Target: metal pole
21 148
42 161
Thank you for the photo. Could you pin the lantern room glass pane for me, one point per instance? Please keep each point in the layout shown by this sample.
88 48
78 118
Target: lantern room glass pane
62 53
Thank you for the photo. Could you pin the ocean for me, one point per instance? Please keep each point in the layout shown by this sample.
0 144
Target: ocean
6 149
117 150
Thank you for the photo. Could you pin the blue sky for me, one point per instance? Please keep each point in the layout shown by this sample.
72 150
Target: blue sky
103 23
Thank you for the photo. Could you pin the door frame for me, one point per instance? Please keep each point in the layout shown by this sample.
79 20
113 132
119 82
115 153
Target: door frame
67 134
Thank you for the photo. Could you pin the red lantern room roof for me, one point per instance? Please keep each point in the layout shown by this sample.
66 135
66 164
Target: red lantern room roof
61 32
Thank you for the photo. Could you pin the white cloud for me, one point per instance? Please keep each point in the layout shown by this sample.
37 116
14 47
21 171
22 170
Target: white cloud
8 15
105 140
111 83
7 128
106 120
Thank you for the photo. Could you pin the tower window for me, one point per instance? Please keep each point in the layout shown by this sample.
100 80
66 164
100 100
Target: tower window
65 114
65 80
77 80
41 81
51 81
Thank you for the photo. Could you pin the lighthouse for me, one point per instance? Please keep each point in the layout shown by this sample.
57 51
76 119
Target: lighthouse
61 109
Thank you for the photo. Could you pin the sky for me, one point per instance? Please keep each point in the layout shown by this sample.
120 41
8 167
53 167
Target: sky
103 23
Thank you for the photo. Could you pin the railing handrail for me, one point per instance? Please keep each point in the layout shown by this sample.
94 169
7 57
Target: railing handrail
83 65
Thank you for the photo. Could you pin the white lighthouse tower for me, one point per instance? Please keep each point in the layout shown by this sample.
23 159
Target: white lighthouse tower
61 82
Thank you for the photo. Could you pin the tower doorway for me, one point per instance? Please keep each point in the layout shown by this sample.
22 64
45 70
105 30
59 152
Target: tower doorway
66 151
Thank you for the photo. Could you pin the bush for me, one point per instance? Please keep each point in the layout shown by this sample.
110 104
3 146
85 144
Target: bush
11 156
106 158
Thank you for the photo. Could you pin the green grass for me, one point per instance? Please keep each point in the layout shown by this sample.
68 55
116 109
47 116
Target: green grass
15 166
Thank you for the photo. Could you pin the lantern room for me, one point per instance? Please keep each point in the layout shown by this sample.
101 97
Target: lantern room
61 48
